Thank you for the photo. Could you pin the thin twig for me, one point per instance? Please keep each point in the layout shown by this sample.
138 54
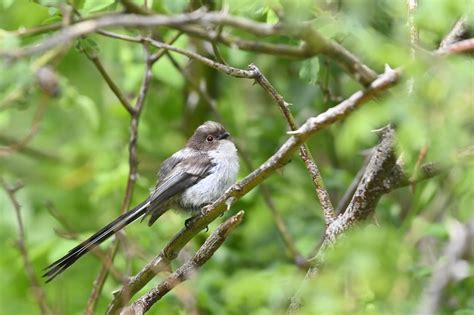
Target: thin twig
132 177
304 152
315 43
382 175
235 72
115 89
369 191
347 197
155 57
35 124
282 229
188 269
38 292
276 161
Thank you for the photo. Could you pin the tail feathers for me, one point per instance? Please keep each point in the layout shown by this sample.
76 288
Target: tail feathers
107 231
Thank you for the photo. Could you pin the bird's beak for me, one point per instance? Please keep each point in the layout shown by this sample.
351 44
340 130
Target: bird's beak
225 135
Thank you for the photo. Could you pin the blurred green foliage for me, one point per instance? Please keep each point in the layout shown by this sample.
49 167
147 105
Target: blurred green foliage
78 159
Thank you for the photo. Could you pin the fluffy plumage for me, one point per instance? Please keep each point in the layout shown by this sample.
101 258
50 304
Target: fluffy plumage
188 180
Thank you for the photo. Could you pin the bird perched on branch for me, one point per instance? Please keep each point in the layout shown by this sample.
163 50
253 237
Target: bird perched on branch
190 179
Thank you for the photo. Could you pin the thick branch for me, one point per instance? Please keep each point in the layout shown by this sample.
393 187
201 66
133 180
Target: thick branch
282 229
459 30
463 46
184 272
315 43
276 161
372 186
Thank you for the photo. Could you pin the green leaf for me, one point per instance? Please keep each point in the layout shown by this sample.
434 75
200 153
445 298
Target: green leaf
272 18
309 70
91 6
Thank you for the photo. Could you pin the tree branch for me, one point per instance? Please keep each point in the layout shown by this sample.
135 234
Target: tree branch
315 43
235 72
459 30
115 89
282 229
132 177
184 272
276 161
463 46
304 152
371 187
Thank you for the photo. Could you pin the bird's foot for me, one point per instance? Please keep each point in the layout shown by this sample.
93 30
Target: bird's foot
205 209
189 221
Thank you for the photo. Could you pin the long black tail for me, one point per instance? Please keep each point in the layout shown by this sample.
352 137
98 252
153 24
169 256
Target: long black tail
107 231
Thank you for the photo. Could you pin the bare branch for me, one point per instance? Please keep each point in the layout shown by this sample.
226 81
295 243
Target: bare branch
117 91
458 31
184 272
315 43
281 226
276 161
372 186
90 26
235 72
463 46
282 229
304 152
461 240
38 292
243 44
132 177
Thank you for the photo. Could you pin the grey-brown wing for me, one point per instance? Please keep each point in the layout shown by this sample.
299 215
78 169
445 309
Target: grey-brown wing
184 173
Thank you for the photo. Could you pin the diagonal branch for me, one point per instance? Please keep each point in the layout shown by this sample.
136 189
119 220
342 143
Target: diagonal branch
132 177
304 152
459 30
187 270
117 91
463 46
276 161
372 186
282 229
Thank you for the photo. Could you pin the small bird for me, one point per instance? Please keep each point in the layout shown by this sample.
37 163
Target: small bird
190 179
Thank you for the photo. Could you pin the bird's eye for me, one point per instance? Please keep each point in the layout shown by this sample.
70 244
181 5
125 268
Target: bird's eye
209 138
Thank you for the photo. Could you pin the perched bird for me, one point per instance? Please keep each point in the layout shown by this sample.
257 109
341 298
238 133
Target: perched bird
190 179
